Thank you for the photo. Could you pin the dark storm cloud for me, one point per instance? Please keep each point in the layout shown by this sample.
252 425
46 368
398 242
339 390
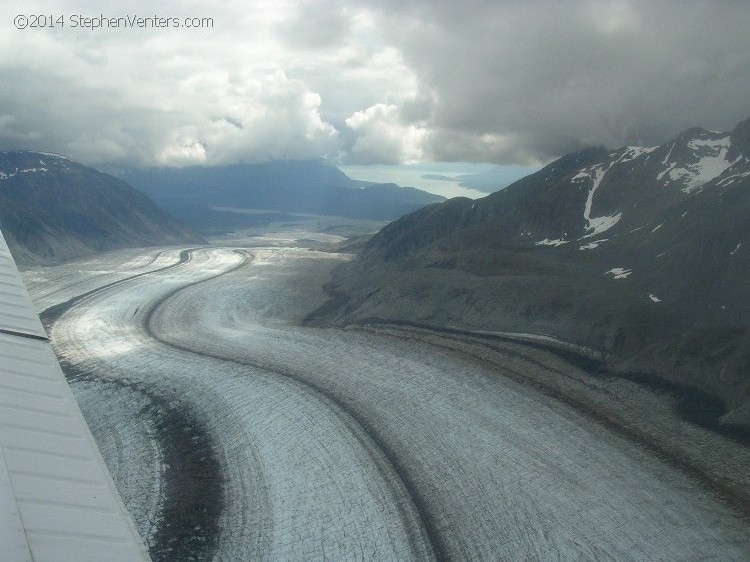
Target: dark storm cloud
538 79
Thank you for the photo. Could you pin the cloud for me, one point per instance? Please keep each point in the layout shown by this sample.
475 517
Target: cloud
248 119
546 78
315 26
155 99
386 82
381 138
8 130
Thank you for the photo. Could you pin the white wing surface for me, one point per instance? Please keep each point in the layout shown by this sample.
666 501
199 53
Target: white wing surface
57 499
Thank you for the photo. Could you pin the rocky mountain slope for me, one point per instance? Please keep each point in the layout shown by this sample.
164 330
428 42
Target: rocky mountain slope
642 254
201 195
52 209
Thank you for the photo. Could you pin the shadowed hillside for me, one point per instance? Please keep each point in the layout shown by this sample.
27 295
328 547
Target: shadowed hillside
642 254
53 209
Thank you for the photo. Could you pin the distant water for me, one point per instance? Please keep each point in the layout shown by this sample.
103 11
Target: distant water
414 176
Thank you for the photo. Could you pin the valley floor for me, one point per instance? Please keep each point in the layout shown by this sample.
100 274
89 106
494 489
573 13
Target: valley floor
235 433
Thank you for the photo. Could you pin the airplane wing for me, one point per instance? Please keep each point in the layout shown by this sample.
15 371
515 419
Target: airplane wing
57 499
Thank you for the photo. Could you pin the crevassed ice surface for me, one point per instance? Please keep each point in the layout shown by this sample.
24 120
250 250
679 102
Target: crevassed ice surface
344 445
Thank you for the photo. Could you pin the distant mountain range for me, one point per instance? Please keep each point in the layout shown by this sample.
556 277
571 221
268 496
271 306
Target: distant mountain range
641 253
201 196
52 209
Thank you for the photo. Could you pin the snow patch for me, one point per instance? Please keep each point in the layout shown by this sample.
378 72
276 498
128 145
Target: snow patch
723 142
592 245
32 170
602 224
582 175
733 178
548 242
53 155
5 175
597 225
666 158
633 152
711 162
674 173
710 166
619 272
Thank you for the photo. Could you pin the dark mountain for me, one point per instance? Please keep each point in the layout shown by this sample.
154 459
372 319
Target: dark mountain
52 209
290 186
640 253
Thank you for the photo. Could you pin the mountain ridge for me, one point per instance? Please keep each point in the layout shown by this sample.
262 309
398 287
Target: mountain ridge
53 209
285 186
640 252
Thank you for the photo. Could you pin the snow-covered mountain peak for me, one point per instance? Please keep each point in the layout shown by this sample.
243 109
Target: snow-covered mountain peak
612 193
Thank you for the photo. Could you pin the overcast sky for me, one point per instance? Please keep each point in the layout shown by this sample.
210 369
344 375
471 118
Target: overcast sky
387 82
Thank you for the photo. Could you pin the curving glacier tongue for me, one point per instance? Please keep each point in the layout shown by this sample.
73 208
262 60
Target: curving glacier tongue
349 445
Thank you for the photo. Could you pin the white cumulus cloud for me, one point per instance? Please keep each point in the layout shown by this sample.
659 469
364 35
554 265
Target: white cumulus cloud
382 138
